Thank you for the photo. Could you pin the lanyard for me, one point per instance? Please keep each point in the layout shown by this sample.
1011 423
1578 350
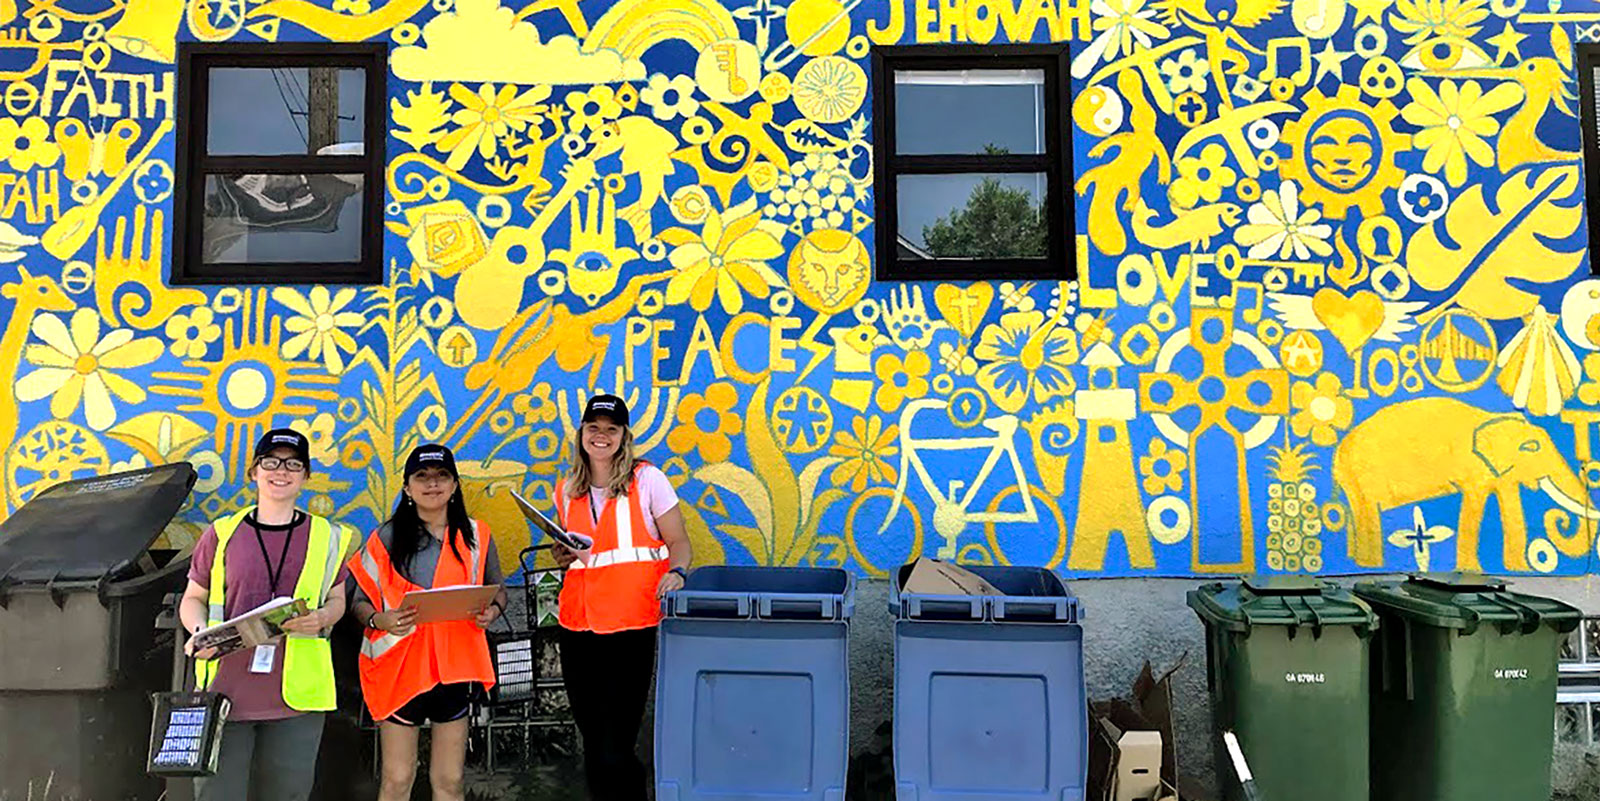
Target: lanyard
594 512
283 558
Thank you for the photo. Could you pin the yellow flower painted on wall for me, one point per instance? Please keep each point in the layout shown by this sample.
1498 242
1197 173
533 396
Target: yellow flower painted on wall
866 449
487 116
900 380
536 406
1026 354
1186 73
27 144
1280 228
77 366
720 261
1320 411
1454 122
830 89
319 430
705 423
318 325
592 108
1163 467
193 333
1121 27
1202 177
670 97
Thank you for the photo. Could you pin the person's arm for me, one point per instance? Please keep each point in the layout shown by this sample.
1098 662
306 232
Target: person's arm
192 612
394 621
680 553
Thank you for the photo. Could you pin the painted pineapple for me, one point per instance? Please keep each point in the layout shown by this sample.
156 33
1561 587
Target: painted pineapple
1294 518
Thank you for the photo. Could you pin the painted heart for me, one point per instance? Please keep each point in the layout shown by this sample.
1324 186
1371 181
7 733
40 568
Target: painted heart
963 307
1352 319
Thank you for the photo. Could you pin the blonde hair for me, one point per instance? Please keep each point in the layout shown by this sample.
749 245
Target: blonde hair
580 477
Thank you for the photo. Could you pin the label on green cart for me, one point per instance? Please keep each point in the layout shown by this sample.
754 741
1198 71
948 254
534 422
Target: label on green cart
1306 678
1511 674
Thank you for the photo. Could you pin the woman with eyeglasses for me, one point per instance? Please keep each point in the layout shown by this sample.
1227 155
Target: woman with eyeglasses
280 691
414 673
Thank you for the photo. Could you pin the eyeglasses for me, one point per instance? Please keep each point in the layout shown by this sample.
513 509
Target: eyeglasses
433 478
274 463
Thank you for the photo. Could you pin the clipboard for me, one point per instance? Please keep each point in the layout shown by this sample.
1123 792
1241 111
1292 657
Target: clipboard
449 603
577 543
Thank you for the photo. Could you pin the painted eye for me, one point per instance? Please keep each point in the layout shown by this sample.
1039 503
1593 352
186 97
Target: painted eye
1445 53
593 261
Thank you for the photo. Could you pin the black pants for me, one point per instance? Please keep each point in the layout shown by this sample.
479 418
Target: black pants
608 681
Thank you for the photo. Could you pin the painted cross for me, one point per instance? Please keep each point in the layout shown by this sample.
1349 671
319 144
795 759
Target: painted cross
1262 393
1420 537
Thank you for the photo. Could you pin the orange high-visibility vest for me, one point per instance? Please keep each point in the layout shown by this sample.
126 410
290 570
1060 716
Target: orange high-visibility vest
396 668
616 591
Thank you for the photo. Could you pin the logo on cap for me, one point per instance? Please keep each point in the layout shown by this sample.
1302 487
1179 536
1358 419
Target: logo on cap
285 439
604 404
430 456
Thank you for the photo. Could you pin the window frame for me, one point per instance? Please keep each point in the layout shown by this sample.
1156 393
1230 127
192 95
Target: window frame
1587 59
1055 162
192 164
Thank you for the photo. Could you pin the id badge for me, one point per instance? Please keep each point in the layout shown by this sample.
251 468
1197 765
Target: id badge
262 662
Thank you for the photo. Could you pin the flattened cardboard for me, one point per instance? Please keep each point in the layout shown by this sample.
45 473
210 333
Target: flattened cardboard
1149 714
932 577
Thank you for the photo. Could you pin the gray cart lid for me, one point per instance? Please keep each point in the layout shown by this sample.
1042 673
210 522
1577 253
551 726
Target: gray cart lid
93 529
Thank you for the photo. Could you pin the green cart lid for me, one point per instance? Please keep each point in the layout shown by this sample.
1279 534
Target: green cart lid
1466 601
1290 601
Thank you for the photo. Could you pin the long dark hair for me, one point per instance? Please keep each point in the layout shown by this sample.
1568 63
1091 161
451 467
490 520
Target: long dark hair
410 535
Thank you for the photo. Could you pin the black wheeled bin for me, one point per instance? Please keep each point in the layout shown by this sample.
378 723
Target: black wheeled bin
80 590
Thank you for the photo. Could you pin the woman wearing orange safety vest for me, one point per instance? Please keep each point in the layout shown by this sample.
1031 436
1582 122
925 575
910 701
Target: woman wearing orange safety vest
410 672
610 597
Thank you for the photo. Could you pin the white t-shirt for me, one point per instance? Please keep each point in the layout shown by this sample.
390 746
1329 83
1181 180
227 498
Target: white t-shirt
656 497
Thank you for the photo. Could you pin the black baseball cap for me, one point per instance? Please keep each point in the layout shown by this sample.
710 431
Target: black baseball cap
285 438
606 406
431 455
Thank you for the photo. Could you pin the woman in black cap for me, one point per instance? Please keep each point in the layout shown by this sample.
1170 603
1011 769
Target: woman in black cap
610 598
412 673
279 691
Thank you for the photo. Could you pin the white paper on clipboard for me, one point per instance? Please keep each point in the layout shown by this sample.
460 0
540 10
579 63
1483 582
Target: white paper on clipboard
577 543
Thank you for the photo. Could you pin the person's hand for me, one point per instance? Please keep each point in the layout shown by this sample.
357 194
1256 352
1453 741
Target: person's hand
312 623
671 582
206 653
396 621
488 615
563 555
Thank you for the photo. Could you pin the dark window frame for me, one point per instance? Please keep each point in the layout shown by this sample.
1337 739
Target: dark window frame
192 164
1588 60
1059 262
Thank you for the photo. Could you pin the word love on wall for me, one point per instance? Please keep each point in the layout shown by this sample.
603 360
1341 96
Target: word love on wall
1332 311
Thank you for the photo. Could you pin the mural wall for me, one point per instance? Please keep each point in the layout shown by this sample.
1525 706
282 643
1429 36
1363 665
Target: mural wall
1329 315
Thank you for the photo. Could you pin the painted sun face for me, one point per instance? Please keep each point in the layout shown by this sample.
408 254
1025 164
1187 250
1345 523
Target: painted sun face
1342 153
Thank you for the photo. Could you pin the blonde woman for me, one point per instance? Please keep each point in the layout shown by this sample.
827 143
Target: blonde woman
610 599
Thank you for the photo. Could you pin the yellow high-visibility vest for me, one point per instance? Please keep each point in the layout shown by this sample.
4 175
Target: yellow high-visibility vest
307 658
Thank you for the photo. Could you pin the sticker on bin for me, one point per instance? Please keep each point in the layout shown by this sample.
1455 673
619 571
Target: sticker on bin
1511 674
1306 678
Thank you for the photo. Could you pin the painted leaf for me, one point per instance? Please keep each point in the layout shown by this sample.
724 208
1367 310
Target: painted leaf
1527 232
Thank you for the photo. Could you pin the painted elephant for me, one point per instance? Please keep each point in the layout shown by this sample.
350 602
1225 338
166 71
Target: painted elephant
1433 447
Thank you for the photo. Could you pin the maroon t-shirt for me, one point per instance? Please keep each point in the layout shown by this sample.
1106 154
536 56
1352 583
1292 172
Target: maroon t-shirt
255 696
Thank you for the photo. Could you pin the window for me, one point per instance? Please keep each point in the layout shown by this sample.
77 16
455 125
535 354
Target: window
1588 89
972 162
279 163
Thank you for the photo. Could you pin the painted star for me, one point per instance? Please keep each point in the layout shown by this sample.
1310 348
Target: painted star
1330 62
1369 9
1506 44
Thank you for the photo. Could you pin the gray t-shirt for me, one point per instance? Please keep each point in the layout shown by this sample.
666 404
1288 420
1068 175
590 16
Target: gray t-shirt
426 561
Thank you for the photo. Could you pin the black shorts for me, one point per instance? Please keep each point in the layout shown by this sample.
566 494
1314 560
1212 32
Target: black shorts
442 704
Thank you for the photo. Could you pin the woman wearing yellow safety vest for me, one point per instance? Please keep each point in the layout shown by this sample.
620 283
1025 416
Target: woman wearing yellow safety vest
610 598
280 690
415 673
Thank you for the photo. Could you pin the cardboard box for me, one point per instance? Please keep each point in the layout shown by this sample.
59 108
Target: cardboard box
932 577
1132 749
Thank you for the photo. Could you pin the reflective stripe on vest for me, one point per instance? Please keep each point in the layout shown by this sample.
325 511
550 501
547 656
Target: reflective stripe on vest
397 668
308 684
373 648
616 590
